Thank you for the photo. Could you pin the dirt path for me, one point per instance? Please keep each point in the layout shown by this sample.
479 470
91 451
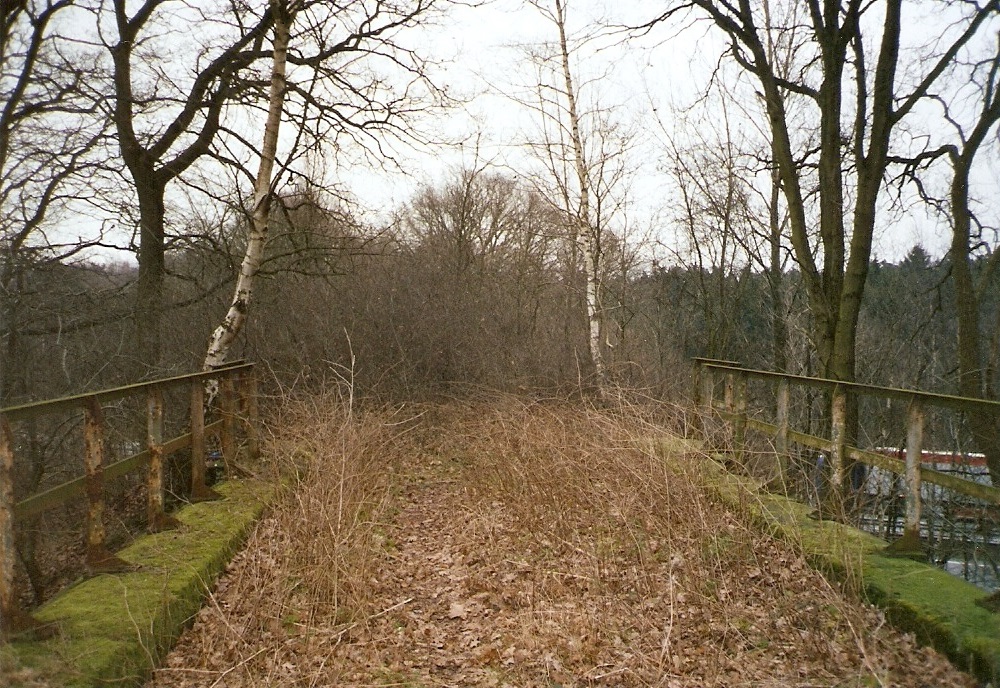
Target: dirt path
520 544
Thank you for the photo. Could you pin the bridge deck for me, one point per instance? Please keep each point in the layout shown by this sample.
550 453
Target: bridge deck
523 544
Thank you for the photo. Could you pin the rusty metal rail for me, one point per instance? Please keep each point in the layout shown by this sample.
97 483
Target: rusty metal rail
238 388
734 410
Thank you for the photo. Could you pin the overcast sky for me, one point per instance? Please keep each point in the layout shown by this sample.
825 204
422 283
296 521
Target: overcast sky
484 51
647 82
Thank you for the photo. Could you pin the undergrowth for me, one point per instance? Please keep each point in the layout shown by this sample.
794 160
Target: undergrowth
512 541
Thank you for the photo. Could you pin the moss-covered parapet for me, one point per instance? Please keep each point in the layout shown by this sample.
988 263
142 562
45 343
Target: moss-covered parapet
938 608
114 628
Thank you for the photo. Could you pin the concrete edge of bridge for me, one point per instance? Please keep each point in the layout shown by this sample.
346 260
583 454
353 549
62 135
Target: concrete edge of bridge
938 608
114 628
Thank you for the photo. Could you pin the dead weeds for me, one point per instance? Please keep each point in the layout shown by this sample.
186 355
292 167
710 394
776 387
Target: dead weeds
508 542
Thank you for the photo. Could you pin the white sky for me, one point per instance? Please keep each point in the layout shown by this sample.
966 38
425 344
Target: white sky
664 70
482 48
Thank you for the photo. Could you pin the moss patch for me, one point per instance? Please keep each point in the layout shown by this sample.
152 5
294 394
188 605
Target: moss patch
114 628
938 608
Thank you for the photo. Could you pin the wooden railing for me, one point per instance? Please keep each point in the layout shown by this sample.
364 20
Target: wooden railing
236 384
734 410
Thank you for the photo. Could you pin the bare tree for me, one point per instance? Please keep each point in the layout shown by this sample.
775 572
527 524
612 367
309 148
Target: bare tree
584 153
859 104
330 96
977 377
172 116
49 131
168 117
223 336
481 256
974 259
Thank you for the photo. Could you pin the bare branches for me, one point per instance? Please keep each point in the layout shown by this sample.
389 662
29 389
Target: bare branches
49 131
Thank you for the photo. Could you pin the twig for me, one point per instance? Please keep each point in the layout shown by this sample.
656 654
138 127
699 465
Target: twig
237 666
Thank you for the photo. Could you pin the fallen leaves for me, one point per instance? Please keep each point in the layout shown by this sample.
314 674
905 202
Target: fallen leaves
530 545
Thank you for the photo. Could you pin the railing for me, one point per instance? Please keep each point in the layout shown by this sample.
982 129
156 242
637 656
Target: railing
734 409
236 383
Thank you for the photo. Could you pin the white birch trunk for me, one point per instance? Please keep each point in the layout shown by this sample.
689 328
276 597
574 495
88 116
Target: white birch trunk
586 235
224 335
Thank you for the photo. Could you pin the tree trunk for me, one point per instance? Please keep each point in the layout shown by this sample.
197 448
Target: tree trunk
590 247
222 338
775 279
984 425
152 274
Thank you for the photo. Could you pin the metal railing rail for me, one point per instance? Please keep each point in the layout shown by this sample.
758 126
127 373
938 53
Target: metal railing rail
235 380
734 409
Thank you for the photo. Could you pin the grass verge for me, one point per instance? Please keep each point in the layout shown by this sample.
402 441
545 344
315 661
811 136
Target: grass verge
938 608
114 628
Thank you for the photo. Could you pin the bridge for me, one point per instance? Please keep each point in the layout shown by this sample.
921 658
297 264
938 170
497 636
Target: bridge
481 539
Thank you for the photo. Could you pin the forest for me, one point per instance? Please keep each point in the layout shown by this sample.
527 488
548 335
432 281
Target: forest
171 200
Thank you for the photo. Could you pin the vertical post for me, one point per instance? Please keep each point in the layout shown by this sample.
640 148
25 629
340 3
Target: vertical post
200 492
708 388
251 418
6 525
98 558
699 424
706 381
228 407
838 449
740 408
13 619
154 442
781 440
910 542
155 515
729 392
698 368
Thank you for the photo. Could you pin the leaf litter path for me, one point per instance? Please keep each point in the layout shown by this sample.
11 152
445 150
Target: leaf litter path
504 542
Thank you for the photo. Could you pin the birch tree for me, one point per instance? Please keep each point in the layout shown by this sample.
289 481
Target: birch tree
584 231
168 118
584 155
223 336
354 84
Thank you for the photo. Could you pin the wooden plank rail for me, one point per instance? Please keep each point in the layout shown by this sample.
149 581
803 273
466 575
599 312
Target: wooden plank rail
238 389
840 453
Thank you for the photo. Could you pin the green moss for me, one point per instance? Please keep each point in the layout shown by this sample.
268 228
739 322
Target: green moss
113 628
938 608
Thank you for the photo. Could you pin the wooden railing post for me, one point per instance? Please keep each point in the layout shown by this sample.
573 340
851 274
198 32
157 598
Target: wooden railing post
200 491
251 416
910 542
838 450
729 392
6 527
13 620
736 407
10 613
708 388
698 368
705 395
228 408
781 439
740 421
155 515
698 421
154 442
98 557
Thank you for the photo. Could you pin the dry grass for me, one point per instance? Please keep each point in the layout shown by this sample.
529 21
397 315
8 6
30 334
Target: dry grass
510 542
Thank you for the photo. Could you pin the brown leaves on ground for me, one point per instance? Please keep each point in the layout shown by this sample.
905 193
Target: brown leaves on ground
516 543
